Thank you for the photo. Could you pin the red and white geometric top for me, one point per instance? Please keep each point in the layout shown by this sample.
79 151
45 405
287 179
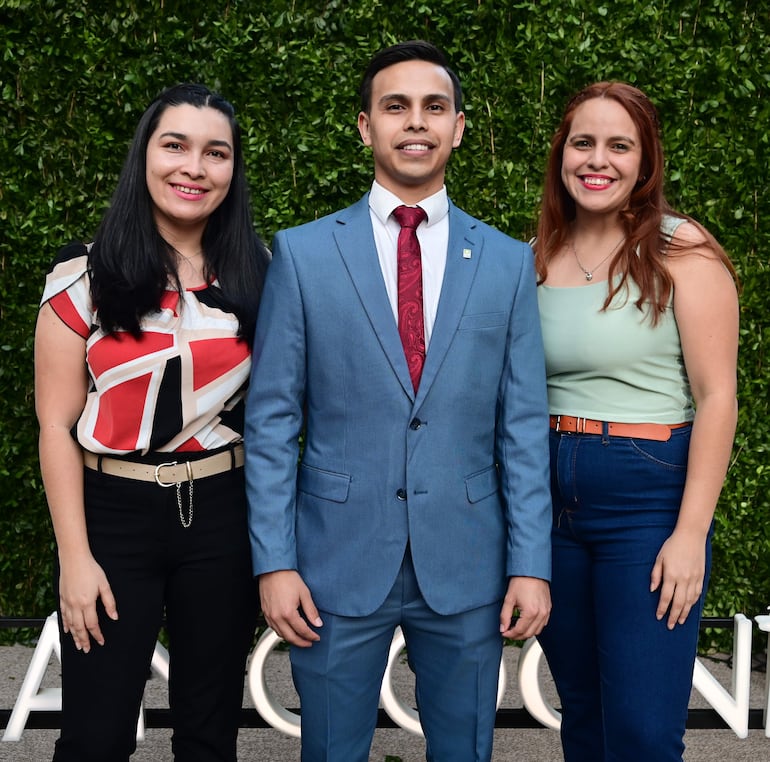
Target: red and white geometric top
180 387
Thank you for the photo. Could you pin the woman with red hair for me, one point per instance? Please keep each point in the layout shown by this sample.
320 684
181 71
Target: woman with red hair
640 324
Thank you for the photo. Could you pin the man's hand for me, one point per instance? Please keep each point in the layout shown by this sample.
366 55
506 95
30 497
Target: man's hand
288 607
529 599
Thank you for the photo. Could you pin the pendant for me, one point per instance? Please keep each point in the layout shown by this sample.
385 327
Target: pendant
589 276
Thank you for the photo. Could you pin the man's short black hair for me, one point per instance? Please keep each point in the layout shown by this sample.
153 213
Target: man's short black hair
413 50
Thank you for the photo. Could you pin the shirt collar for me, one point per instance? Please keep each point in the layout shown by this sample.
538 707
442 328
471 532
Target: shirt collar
382 202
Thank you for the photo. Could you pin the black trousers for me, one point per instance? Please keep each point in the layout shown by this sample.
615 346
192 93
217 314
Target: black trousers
200 577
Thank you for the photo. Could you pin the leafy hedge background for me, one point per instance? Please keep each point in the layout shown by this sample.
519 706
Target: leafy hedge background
75 79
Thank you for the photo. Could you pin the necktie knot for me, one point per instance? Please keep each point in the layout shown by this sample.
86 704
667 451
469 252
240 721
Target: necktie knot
409 216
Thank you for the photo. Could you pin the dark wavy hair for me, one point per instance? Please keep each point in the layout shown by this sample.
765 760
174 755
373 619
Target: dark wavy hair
131 264
412 50
642 257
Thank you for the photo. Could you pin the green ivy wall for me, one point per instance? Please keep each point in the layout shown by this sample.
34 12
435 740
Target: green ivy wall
75 79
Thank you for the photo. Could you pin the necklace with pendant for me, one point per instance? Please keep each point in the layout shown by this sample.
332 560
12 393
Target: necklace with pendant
590 273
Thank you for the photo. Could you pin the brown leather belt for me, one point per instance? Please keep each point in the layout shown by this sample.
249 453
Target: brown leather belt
170 473
660 432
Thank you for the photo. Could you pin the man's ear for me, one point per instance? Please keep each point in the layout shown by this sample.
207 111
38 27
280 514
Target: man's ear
363 128
459 129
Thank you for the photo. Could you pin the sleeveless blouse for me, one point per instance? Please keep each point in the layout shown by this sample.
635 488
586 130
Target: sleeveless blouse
613 365
179 387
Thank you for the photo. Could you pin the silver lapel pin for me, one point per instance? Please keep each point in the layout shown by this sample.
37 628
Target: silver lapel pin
466 253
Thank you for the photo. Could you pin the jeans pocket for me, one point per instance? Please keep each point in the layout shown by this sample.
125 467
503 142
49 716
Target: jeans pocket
671 454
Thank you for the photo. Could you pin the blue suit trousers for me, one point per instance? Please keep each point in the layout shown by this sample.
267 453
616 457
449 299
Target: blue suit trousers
455 658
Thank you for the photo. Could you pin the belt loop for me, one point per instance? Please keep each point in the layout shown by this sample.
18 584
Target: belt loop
99 463
605 433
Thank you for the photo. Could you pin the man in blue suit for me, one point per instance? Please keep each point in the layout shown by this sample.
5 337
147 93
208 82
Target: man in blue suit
418 502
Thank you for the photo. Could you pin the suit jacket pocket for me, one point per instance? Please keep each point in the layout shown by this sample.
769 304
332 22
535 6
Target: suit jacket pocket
327 485
483 320
481 484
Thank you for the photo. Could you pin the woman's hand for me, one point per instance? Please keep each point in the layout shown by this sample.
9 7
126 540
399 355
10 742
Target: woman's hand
81 583
678 572
61 387
706 311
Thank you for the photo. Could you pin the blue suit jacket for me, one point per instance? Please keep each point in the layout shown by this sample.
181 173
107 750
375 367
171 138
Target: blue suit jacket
460 470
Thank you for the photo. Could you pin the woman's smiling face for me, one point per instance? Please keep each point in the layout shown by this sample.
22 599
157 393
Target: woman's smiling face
189 165
602 157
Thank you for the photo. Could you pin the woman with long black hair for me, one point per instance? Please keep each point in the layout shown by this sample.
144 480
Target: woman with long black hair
142 356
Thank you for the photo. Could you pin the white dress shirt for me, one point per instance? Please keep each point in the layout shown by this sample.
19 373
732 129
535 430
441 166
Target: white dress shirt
433 235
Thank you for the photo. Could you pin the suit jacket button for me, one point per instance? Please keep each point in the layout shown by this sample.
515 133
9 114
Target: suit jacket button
415 424
401 494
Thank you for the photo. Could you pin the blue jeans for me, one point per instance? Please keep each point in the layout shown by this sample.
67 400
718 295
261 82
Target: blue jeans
623 677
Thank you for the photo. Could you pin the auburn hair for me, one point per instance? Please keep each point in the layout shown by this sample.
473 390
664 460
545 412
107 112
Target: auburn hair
641 258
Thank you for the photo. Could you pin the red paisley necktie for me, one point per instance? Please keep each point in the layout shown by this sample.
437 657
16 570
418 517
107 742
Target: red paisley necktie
410 317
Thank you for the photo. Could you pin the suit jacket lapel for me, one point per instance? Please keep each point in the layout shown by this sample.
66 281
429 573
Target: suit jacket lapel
463 254
355 241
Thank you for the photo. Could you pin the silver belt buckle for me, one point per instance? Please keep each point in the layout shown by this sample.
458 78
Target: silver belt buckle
158 480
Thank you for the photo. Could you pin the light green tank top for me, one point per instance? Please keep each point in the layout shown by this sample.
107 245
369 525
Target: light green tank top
612 365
